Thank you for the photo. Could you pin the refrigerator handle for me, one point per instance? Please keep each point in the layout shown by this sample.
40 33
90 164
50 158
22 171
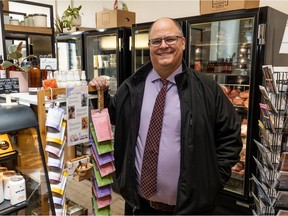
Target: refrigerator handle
120 44
261 33
130 43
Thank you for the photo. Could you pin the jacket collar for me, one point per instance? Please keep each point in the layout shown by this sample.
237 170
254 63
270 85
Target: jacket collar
141 74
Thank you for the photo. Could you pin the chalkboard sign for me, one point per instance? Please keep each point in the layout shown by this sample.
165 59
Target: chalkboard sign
10 85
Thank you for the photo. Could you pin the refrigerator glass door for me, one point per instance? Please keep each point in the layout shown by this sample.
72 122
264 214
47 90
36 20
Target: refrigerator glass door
69 53
102 57
141 52
222 50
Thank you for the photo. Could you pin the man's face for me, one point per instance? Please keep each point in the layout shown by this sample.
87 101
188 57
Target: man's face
166 58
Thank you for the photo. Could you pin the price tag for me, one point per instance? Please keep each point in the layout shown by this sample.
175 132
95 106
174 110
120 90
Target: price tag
10 85
48 63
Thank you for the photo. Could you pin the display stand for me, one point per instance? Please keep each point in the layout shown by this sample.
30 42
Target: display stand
44 101
14 119
271 189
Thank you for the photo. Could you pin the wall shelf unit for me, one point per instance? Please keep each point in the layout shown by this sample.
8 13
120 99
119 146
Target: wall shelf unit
37 40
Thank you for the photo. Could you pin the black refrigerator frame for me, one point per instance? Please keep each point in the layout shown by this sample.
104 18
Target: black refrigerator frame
123 51
69 36
266 43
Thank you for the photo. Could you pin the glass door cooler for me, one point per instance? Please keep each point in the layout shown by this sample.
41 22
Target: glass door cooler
108 54
231 47
70 53
140 49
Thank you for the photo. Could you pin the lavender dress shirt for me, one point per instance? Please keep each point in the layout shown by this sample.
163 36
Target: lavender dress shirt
169 151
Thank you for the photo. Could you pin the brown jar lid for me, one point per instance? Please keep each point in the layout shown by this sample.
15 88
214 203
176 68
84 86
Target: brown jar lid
9 173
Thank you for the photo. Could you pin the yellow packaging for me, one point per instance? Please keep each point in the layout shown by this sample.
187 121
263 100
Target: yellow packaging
5 145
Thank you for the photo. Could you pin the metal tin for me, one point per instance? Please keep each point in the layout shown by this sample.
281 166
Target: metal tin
14 22
17 189
6 178
30 20
40 20
26 21
2 169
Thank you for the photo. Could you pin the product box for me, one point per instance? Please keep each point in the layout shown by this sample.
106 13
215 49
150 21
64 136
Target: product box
115 18
215 6
23 79
5 5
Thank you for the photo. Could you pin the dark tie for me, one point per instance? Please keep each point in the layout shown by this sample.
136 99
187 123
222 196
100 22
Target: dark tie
148 182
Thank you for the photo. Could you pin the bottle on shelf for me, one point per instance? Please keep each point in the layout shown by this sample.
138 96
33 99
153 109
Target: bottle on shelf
229 66
34 77
77 78
83 78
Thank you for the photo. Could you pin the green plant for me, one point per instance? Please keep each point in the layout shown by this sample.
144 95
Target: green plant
58 25
68 16
15 53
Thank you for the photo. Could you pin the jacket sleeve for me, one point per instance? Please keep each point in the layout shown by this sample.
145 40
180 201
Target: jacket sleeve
227 134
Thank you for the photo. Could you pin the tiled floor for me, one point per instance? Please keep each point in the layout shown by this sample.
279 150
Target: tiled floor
80 193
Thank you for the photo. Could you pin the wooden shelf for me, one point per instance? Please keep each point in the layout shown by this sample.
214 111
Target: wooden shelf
28 30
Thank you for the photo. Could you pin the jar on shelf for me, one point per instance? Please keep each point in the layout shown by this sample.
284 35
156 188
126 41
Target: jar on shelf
40 20
2 170
26 22
30 20
14 21
6 178
17 189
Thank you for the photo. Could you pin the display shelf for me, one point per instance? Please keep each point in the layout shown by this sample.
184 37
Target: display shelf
28 30
36 36
12 155
274 177
6 208
16 118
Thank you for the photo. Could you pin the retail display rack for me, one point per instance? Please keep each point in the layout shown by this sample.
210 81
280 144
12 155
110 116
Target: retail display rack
271 188
31 35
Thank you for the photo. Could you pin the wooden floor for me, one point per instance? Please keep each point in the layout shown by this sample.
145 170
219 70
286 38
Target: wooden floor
78 192
81 193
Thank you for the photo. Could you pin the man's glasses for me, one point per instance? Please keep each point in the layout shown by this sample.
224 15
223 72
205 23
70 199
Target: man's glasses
170 40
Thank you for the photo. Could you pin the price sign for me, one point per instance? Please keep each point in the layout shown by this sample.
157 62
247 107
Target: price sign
48 63
10 85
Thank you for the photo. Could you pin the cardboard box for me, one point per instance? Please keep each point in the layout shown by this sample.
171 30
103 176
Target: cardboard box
115 18
215 6
5 5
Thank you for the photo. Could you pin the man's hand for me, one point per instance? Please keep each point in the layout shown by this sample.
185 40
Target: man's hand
100 83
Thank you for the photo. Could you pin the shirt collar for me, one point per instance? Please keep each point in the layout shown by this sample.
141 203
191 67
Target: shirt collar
155 76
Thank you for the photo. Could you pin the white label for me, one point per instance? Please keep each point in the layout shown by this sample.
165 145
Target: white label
48 63
2 74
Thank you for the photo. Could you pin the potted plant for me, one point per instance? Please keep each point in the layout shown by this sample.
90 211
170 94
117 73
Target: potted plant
58 24
71 18
15 54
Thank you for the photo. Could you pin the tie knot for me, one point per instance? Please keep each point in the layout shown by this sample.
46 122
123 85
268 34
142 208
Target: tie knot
164 82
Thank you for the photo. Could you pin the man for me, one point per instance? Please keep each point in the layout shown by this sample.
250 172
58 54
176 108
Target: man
200 138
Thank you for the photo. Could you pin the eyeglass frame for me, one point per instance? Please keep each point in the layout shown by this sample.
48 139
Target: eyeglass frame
165 40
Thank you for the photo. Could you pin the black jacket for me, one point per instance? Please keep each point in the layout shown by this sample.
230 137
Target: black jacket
210 138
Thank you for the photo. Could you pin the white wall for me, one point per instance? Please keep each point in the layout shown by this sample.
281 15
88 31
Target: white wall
150 10
146 10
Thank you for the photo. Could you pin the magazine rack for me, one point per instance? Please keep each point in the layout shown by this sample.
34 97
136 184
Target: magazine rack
271 185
